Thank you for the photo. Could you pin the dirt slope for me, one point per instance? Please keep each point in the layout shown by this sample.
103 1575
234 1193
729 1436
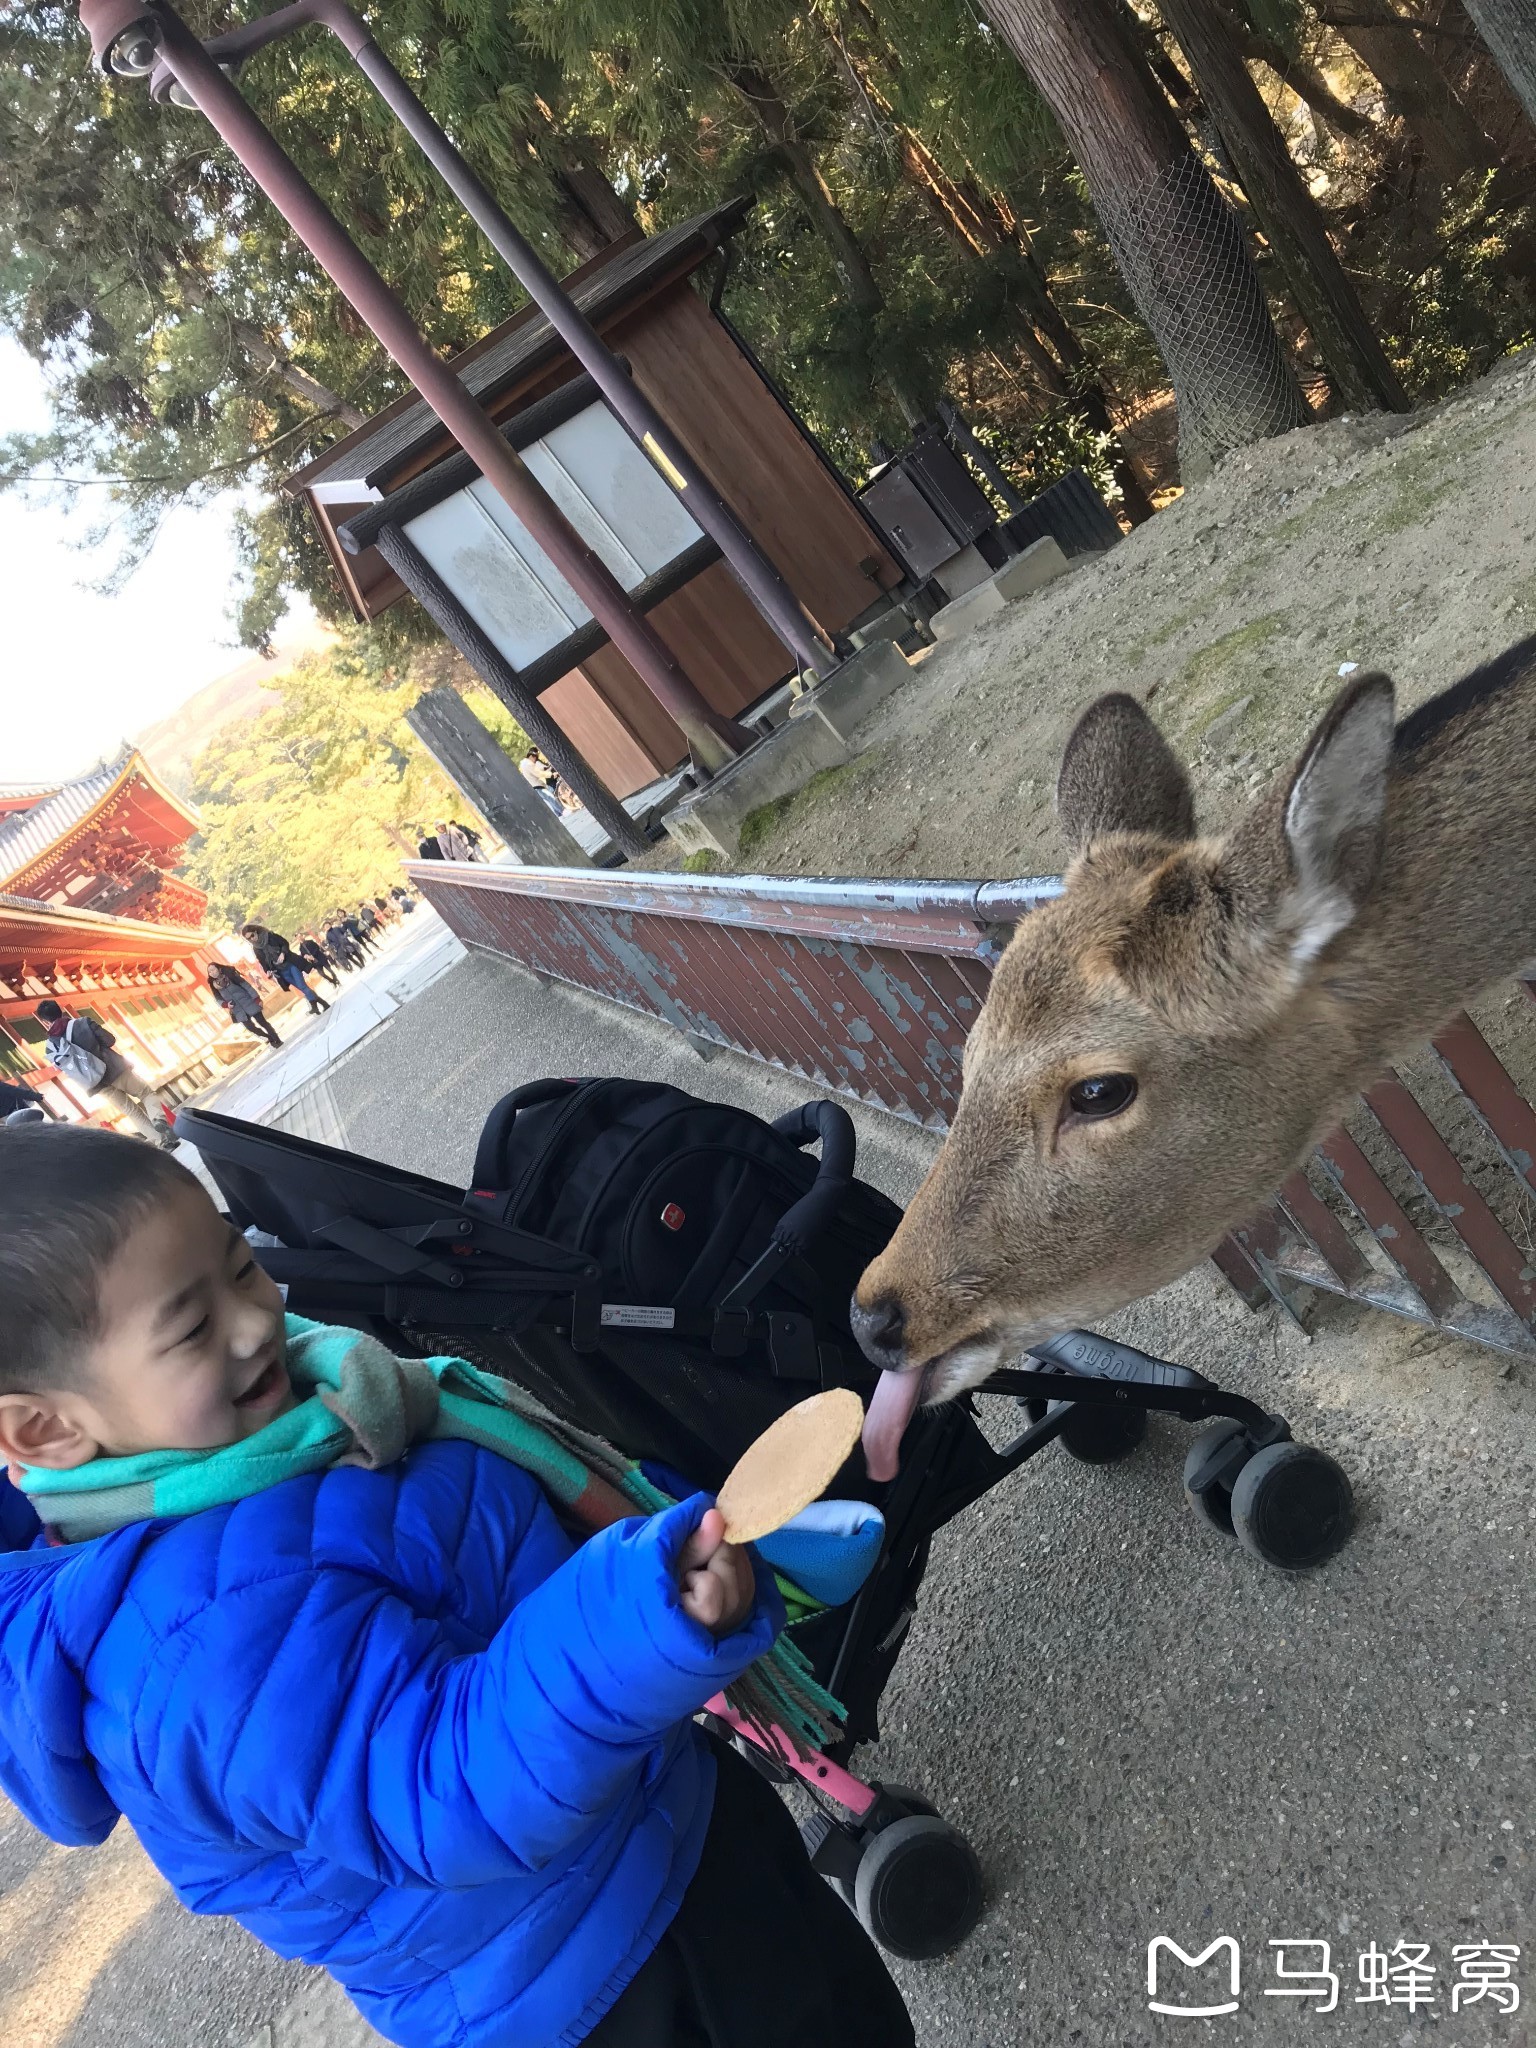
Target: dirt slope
1408 545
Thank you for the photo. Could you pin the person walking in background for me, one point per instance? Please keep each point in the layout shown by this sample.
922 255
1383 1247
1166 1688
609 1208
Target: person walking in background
85 1052
539 776
316 959
342 947
470 837
230 989
370 921
362 938
405 902
431 848
282 963
452 841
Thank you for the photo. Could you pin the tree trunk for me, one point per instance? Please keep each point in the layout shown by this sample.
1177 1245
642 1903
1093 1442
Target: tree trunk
592 216
1308 84
266 354
1508 27
1450 140
1357 364
298 381
1176 241
860 286
1068 373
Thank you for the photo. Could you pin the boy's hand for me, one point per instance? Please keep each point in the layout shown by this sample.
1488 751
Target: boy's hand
718 1588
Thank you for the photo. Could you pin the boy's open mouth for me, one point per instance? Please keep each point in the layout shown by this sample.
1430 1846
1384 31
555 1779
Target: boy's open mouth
268 1387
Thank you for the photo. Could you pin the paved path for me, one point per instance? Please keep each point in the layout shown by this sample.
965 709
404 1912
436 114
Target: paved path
1143 1730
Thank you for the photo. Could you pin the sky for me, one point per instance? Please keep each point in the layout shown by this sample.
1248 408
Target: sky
83 672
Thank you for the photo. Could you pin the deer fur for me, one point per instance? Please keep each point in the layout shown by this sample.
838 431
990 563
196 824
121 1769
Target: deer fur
1250 985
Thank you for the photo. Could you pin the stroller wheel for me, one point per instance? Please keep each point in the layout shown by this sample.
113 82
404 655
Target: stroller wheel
1212 1501
1293 1507
1094 1436
907 1798
1102 1436
918 1890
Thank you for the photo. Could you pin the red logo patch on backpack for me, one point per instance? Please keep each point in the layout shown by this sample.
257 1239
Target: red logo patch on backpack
673 1218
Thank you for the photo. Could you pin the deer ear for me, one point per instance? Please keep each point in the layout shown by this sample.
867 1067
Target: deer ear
1335 813
1118 774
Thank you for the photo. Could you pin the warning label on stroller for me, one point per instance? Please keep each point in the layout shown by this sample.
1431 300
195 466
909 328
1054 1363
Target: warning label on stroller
633 1316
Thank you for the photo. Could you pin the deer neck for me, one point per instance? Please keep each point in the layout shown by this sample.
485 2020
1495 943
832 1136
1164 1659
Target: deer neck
1455 907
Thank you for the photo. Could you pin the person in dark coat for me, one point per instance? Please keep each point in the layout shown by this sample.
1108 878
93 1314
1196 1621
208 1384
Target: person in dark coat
317 960
341 945
430 848
230 989
362 938
85 1052
282 963
15 1096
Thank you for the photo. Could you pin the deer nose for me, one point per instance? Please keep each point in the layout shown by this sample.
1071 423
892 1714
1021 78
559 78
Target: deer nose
880 1331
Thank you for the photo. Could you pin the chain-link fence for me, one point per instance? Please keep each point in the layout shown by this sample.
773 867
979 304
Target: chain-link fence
1182 252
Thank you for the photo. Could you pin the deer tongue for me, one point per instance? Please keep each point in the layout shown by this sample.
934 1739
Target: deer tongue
890 1410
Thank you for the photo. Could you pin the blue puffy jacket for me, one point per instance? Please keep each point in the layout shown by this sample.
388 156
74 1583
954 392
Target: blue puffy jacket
392 1723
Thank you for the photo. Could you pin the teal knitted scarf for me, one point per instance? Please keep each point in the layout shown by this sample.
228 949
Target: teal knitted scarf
361 1405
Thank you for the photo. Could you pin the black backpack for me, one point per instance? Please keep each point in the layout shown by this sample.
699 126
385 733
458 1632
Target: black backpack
691 1207
666 1271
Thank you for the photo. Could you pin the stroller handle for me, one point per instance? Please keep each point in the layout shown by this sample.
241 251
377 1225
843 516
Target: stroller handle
816 1208
830 1122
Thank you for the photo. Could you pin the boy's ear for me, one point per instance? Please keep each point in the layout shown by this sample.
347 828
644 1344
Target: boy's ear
36 1430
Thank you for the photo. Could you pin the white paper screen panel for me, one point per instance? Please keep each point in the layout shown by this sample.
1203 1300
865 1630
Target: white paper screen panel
490 562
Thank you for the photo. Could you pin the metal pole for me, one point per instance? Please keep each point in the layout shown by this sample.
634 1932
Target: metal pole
754 571
713 737
757 574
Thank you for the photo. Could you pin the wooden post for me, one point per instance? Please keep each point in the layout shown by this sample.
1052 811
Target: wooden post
475 761
493 669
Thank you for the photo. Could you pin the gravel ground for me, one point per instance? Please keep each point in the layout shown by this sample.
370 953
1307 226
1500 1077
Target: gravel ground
1143 1731
1403 544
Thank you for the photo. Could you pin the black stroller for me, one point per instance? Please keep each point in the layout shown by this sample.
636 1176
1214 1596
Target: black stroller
672 1274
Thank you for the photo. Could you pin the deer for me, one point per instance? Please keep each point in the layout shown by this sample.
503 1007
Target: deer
1164 1041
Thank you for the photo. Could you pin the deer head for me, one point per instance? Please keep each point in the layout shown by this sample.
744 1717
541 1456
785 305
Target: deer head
1161 1045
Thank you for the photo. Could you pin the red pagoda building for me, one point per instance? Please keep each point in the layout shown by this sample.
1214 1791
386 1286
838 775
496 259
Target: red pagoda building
91 914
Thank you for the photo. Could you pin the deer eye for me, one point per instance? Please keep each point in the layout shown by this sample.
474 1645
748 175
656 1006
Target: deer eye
1102 1095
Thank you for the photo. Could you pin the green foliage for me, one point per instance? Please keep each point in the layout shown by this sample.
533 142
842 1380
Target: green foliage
298 806
914 199
705 861
190 343
1473 303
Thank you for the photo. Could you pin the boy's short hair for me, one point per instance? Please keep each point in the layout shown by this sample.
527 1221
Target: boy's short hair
69 1197
49 1009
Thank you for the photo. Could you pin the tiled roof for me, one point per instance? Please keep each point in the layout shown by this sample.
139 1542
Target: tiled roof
374 452
26 834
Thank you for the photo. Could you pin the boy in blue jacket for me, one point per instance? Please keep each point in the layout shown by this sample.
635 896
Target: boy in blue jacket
352 1683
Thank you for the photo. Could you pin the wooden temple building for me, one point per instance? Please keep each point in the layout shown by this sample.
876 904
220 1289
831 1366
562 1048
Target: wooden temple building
91 914
398 507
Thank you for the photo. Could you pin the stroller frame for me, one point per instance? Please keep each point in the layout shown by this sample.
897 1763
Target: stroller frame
910 1875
